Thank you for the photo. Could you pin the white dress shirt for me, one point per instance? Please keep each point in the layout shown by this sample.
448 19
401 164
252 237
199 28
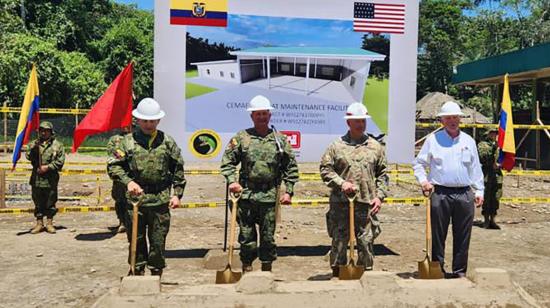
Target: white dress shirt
453 162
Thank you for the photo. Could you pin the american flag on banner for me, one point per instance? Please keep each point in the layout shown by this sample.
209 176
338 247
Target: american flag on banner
379 17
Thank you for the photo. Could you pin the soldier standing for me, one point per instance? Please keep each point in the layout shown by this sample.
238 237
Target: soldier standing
266 160
118 191
149 163
354 164
47 157
493 178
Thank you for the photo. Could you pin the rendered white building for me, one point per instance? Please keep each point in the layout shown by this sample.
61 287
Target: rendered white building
348 66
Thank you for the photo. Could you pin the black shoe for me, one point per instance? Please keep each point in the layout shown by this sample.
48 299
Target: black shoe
493 225
247 268
156 272
266 266
137 272
335 271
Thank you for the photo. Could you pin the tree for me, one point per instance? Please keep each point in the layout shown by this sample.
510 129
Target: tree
440 43
379 44
65 78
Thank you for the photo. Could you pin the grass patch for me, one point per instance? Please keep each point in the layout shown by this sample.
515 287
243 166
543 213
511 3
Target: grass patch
192 90
376 100
191 74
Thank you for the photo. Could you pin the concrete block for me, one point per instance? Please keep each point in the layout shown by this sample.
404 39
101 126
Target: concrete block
491 278
256 282
378 280
139 285
216 259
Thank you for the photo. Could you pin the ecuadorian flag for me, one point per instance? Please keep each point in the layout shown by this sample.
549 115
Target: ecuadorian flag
198 13
506 141
28 121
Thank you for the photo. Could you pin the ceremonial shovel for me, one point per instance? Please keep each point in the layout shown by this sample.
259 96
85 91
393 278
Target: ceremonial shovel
227 275
428 269
351 271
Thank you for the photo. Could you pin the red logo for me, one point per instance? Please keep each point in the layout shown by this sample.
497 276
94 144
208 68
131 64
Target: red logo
293 137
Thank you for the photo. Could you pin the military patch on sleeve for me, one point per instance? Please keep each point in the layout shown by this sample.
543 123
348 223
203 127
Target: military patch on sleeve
119 153
233 143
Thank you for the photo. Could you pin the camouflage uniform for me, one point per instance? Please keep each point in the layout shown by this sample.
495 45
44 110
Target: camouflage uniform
262 170
364 165
118 192
44 186
493 178
156 164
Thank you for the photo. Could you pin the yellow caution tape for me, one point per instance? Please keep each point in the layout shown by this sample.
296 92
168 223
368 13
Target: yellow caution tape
295 203
477 125
47 110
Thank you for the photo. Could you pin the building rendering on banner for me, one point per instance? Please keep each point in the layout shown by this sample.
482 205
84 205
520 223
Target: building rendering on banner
340 73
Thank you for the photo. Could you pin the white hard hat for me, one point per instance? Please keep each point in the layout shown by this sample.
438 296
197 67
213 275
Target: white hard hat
357 111
259 102
450 108
148 109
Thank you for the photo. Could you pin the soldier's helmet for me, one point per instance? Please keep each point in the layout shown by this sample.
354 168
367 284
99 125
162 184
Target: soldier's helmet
148 109
259 102
357 111
46 125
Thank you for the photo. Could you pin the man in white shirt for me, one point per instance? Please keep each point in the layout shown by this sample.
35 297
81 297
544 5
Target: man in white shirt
454 166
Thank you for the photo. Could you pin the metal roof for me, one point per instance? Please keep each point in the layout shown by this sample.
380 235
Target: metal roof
312 52
521 65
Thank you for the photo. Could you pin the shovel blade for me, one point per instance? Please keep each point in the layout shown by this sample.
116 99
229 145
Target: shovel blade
429 269
350 271
227 276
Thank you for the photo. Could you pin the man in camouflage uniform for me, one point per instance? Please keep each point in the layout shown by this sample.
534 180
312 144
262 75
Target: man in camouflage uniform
118 192
47 157
149 163
354 164
266 160
493 178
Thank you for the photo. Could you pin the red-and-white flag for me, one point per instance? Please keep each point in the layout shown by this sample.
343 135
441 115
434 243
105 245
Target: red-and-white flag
379 17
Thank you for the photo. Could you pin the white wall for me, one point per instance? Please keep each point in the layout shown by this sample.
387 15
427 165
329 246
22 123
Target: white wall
361 73
215 71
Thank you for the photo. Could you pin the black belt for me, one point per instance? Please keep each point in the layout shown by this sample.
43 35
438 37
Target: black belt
260 186
154 188
448 189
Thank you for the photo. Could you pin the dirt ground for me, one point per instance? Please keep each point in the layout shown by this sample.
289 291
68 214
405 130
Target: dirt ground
74 267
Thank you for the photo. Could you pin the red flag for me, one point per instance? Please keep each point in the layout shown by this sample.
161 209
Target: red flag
112 110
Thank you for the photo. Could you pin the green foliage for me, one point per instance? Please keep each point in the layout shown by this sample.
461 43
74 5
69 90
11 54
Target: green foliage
79 47
379 44
201 50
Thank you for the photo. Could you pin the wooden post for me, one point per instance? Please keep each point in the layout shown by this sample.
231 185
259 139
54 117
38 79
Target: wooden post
2 188
475 122
537 141
98 190
5 129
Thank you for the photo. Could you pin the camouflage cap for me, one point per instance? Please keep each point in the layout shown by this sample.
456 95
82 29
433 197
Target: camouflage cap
46 125
490 130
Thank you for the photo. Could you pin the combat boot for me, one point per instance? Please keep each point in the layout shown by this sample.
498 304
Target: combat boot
156 272
49 226
335 271
493 224
247 268
266 266
121 228
39 226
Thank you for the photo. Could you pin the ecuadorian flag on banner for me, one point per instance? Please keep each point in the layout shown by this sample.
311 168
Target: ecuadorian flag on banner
29 119
506 141
198 13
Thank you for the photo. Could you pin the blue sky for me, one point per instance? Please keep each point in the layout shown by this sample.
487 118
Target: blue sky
246 31
142 4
